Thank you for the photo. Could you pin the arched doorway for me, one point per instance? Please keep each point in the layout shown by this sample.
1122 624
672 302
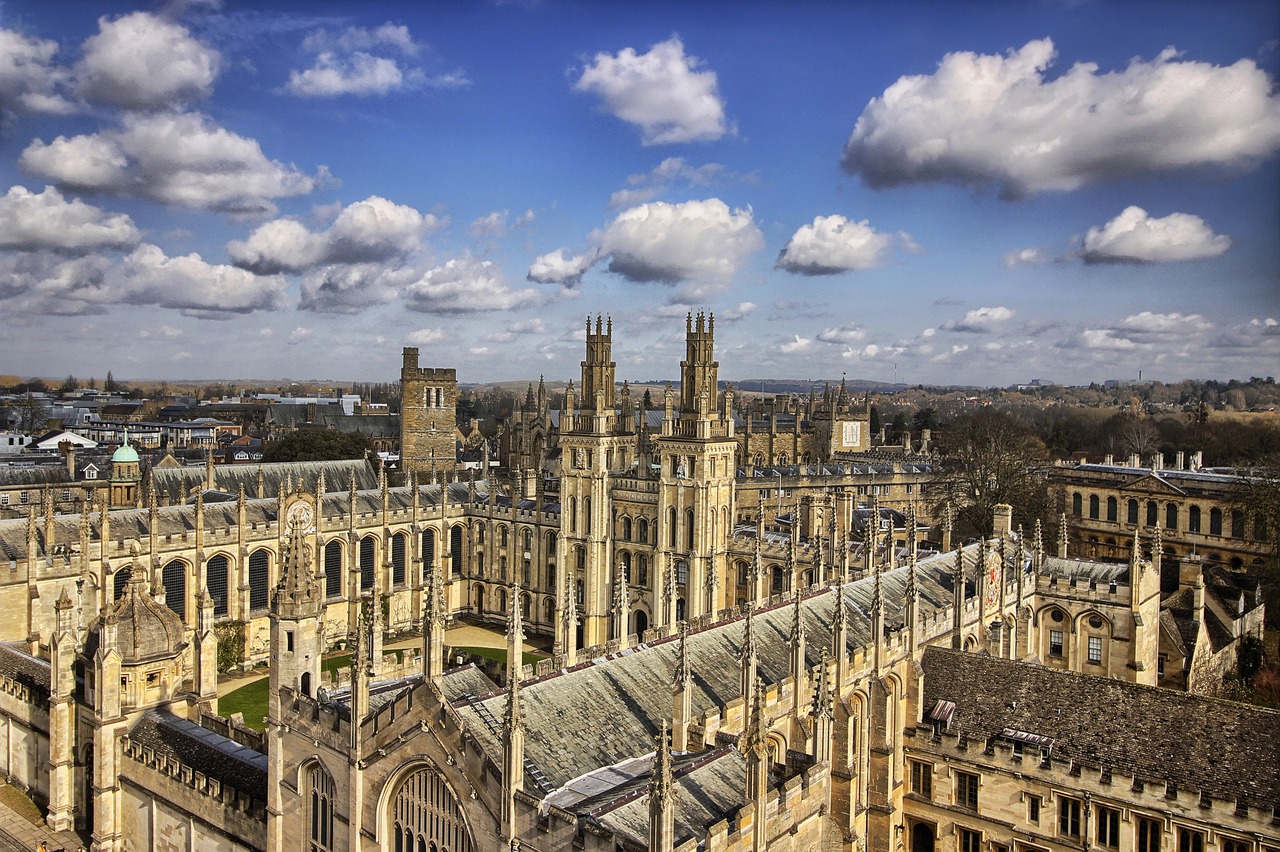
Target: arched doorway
642 624
921 837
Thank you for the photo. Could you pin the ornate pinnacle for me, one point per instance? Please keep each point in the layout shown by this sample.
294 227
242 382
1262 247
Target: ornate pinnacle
823 701
684 671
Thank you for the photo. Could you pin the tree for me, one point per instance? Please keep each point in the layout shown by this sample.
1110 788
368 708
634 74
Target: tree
28 414
110 384
1134 435
69 385
899 426
874 418
317 445
925 418
1258 496
988 458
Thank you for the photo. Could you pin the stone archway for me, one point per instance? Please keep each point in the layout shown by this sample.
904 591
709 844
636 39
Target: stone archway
922 839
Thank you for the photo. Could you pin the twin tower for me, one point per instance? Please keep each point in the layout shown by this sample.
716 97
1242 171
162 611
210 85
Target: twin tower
637 489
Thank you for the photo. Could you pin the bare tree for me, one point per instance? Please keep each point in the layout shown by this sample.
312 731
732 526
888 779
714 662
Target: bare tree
990 458
1137 436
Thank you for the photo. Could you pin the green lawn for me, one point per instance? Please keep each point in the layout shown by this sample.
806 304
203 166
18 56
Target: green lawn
499 654
251 699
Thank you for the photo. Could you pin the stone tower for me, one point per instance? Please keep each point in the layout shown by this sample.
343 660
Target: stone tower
126 473
428 403
696 451
595 443
297 638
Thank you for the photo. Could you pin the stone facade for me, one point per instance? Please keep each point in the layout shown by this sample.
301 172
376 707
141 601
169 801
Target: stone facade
428 431
714 685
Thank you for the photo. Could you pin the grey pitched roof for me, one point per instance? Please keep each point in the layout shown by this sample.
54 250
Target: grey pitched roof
1228 751
605 711
31 672
177 482
204 750
709 787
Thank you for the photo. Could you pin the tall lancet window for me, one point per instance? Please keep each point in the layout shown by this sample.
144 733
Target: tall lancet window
320 807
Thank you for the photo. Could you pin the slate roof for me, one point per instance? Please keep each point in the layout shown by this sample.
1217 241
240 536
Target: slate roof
177 482
1226 750
1084 569
31 672
207 751
606 711
709 787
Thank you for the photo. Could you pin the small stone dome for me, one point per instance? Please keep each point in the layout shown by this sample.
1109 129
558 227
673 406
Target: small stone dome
126 454
137 625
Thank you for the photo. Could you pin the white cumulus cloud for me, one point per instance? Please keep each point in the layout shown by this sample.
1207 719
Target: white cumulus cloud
30 80
1148 322
834 244
368 231
362 62
1136 237
981 320
45 220
844 334
672 243
557 267
49 283
140 61
465 285
172 158
1024 257
983 119
662 91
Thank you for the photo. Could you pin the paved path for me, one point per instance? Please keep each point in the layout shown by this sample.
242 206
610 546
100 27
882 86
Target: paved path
20 834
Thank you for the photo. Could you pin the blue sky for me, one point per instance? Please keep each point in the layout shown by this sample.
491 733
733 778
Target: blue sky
977 193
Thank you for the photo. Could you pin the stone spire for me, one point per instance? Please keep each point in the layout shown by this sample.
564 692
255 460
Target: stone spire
750 659
513 730
755 747
799 670
662 809
1037 556
957 599
682 693
434 613
1062 536
621 603
823 712
1157 550
840 636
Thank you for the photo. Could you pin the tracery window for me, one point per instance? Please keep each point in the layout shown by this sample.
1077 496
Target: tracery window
426 816
320 807
333 569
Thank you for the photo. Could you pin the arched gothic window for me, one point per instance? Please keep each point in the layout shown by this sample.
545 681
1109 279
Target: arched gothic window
367 545
215 580
259 566
174 578
426 816
333 569
428 552
320 807
398 558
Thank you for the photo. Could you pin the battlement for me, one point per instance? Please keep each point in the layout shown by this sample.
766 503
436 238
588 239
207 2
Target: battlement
411 370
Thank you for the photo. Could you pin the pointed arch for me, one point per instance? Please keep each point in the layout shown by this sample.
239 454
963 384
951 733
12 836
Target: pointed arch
419 810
